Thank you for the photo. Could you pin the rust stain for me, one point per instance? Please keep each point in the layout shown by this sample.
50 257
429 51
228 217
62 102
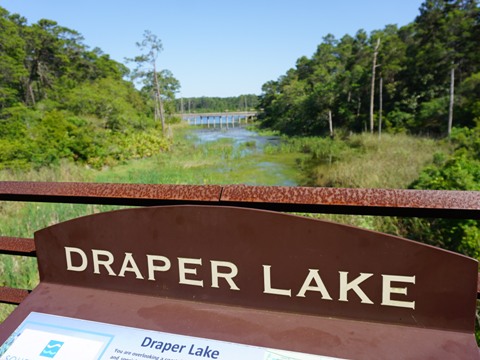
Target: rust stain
105 193
12 296
17 246
309 195
467 200
388 202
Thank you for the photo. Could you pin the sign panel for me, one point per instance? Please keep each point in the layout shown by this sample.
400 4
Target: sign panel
262 259
43 337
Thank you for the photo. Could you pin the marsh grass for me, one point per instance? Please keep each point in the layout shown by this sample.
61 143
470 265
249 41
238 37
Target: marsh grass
362 160
392 161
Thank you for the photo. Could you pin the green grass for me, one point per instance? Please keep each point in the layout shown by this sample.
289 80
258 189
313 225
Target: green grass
362 160
394 161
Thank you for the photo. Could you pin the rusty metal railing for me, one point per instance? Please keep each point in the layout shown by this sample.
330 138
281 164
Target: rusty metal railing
384 202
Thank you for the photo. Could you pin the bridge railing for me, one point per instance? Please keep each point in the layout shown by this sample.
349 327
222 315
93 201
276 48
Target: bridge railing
227 118
378 202
218 113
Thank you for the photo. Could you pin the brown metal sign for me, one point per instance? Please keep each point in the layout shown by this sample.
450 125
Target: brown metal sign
262 260
251 259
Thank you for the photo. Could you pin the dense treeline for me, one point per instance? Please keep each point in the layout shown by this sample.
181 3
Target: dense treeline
59 99
216 104
411 68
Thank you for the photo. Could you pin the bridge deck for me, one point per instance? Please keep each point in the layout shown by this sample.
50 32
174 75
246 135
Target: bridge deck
218 114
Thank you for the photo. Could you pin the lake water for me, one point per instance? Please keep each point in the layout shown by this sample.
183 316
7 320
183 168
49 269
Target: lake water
239 135
242 135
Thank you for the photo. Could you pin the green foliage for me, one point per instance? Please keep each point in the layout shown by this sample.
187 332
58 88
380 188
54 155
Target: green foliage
431 115
47 138
137 145
458 171
469 106
216 104
115 102
414 63
59 100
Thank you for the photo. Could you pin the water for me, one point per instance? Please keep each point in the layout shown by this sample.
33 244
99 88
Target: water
239 135
250 143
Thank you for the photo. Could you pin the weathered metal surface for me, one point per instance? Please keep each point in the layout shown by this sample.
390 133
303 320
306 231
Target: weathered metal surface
388 202
12 296
103 193
17 246
450 200
418 203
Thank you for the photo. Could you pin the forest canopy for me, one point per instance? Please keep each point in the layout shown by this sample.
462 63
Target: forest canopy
399 79
60 99
217 104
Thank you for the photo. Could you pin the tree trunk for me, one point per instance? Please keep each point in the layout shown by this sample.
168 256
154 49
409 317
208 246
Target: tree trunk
372 90
380 108
452 93
30 96
330 123
158 99
359 105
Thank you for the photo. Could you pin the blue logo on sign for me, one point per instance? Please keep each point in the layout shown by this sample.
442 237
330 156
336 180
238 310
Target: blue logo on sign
51 349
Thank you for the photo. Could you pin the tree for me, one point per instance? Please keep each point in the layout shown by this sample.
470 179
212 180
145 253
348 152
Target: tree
12 54
451 102
418 64
326 67
372 89
350 82
390 60
146 69
51 51
445 42
168 86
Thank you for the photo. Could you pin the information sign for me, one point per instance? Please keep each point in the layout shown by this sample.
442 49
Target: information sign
43 337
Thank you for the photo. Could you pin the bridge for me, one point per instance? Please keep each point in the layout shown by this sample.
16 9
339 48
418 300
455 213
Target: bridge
220 119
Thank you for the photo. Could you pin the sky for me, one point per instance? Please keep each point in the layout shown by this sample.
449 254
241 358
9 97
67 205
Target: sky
218 48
